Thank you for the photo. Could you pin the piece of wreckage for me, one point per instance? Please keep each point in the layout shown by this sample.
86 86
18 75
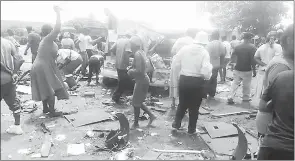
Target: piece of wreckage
117 139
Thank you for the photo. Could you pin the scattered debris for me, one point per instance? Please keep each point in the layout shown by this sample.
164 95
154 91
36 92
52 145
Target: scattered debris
178 151
203 111
140 130
45 129
220 129
72 111
144 116
46 146
90 134
207 108
108 102
76 149
42 117
24 151
89 94
60 137
158 103
234 113
24 89
124 154
101 135
139 138
180 143
87 144
158 109
154 134
222 88
73 93
36 155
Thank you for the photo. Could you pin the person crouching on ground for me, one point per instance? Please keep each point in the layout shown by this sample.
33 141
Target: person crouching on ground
95 63
244 54
138 72
10 64
46 79
195 68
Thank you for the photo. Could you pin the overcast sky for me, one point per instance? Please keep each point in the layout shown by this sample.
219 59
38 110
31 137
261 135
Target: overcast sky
163 14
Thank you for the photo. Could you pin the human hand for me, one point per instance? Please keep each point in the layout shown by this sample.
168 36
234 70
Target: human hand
57 9
254 73
14 78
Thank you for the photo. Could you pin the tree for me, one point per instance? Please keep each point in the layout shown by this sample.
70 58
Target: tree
258 17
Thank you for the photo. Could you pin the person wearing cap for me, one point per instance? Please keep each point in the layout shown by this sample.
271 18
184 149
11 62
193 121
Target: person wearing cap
122 50
194 66
278 102
46 79
217 53
10 64
262 57
181 42
34 40
67 42
244 67
138 71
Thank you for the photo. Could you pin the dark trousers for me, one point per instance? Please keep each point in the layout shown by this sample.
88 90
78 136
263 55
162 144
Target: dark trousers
123 84
190 97
266 153
94 67
85 63
89 53
8 93
211 84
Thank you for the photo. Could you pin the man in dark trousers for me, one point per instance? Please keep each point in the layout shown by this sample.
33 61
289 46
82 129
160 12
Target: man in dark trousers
11 62
33 43
122 49
278 141
217 53
245 65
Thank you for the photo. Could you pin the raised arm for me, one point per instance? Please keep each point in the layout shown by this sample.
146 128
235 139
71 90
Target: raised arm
53 34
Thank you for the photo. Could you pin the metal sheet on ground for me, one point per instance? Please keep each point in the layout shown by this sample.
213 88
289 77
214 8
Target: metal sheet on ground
227 145
88 116
220 129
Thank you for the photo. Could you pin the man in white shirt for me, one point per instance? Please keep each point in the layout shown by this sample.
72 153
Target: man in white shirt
263 56
82 46
222 70
195 67
181 42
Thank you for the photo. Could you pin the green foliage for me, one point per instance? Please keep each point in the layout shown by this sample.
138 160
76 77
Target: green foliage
258 17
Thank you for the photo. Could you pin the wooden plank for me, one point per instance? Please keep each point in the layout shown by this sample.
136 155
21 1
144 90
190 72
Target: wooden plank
220 129
95 115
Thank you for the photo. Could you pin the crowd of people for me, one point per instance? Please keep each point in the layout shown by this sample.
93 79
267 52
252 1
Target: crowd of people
197 59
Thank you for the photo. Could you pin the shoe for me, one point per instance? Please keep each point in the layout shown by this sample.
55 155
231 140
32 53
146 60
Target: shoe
230 101
193 132
55 114
248 100
175 127
15 129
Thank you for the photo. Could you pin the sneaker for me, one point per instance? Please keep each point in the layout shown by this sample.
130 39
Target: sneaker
193 132
15 129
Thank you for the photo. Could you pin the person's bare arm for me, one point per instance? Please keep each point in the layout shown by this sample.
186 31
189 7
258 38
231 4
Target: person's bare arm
253 63
53 34
137 65
266 97
257 57
17 59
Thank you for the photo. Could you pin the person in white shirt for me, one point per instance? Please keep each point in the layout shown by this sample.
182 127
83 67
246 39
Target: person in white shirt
181 42
67 42
263 56
222 70
82 51
195 67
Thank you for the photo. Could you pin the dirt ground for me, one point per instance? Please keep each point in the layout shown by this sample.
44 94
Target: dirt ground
33 135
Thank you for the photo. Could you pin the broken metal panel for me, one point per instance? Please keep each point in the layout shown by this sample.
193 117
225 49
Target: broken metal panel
242 147
220 129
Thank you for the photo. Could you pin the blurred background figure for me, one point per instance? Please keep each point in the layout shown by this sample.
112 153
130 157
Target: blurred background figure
222 70
67 42
11 38
33 43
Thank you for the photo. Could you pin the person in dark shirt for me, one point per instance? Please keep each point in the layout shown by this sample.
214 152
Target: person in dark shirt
244 54
278 142
34 40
